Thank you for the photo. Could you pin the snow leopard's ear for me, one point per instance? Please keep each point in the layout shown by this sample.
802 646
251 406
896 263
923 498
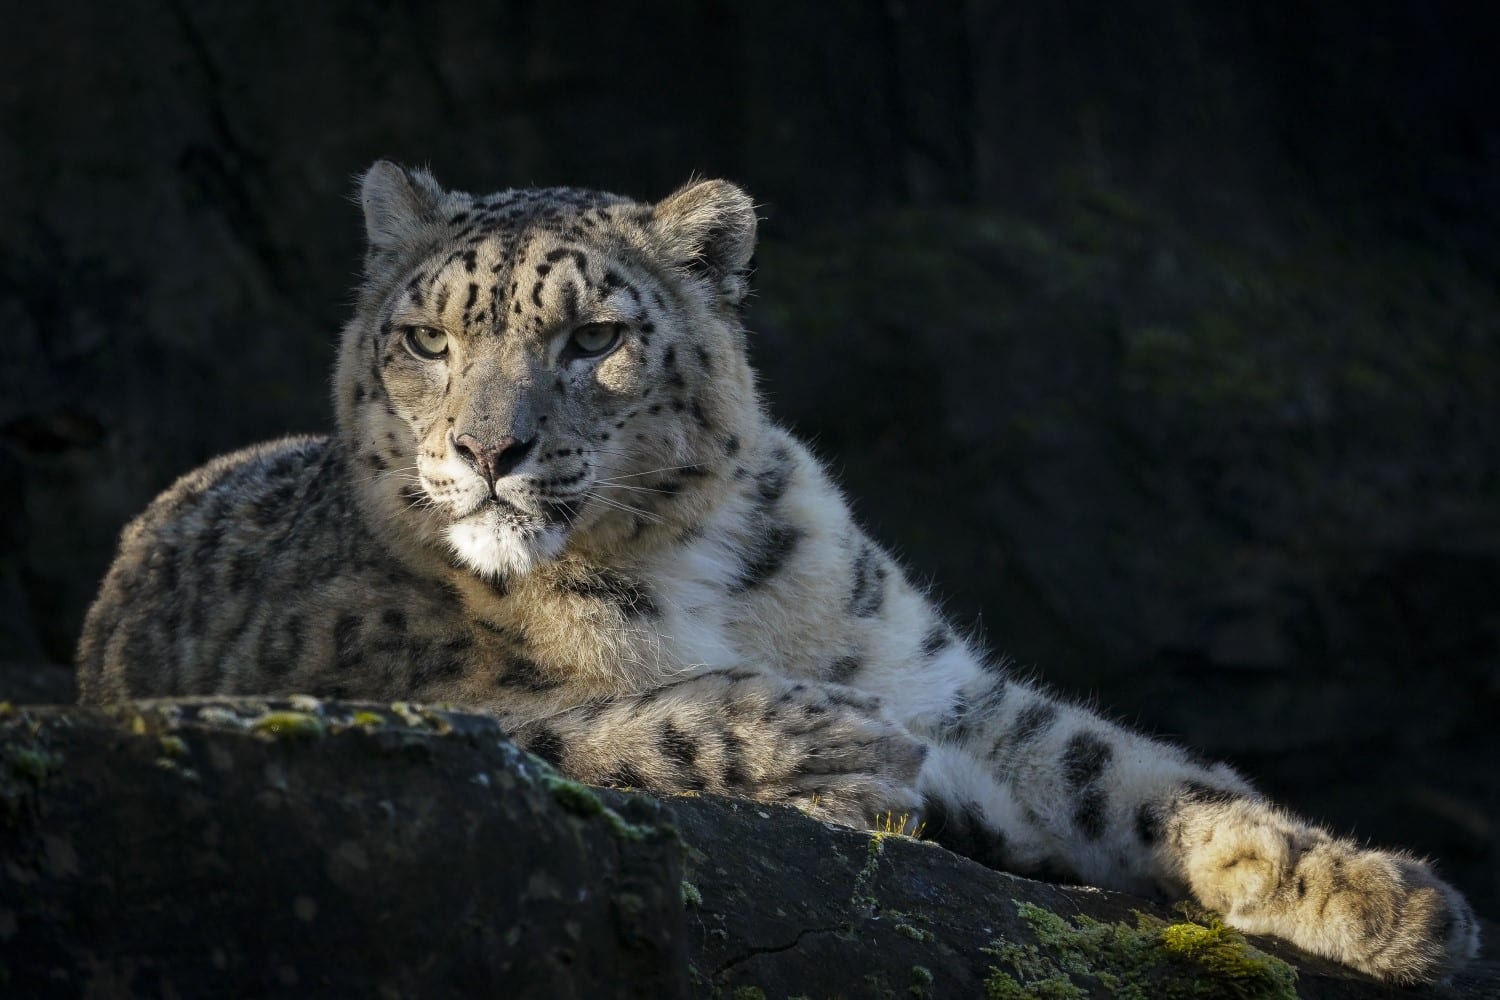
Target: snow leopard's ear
397 203
708 228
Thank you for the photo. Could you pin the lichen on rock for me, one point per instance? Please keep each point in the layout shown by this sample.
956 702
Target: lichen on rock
288 724
1151 959
580 800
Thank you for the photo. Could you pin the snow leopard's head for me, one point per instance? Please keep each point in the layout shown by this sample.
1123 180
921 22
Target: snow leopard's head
539 369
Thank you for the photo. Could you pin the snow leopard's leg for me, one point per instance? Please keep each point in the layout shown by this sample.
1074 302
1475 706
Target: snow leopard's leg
1029 784
826 749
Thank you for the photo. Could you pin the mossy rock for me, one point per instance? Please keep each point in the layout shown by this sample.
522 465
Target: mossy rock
233 846
1144 960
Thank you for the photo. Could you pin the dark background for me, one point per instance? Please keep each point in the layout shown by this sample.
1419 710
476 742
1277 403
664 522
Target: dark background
1163 337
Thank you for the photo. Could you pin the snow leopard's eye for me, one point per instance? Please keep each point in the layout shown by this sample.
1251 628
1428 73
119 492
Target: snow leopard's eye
426 343
593 339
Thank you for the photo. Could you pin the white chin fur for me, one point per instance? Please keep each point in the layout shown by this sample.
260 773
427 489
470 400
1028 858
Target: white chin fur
494 549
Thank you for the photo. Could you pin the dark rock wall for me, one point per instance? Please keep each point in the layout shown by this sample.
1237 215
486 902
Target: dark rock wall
1164 338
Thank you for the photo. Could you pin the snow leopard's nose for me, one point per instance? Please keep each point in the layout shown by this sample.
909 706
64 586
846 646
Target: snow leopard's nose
492 459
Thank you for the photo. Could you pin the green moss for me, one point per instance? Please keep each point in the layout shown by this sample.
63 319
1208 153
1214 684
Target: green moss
296 725
173 746
367 719
915 933
1151 959
624 829
921 982
213 715
577 799
418 717
582 801
1056 986
690 894
1224 952
748 993
862 900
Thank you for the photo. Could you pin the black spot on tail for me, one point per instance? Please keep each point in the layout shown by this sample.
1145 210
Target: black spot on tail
971 712
1055 869
1033 722
1148 823
1090 812
964 831
1084 761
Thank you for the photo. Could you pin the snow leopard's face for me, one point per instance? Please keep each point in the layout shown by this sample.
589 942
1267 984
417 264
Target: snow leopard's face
527 367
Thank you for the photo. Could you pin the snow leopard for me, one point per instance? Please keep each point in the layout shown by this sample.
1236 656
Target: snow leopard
555 496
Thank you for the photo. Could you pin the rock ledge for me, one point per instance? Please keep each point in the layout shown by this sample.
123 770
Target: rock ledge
213 847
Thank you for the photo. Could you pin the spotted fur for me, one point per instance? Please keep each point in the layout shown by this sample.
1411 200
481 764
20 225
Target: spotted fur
617 553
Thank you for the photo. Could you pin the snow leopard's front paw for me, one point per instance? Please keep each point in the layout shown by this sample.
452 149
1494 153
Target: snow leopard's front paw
850 765
879 799
1382 912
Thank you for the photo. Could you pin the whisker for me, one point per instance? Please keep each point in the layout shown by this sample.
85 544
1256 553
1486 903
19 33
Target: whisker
627 508
390 473
405 472
636 489
649 472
